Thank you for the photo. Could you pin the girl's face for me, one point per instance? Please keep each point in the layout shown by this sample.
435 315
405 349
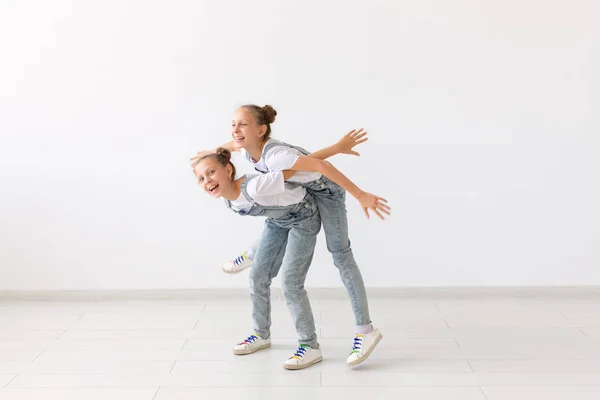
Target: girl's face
214 178
245 130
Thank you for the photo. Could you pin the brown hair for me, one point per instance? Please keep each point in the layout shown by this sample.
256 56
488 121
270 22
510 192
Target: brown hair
264 116
222 156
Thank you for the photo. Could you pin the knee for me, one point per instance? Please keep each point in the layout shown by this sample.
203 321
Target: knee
291 285
338 246
341 254
258 282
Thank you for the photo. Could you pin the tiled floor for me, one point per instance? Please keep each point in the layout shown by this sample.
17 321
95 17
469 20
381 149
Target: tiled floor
495 348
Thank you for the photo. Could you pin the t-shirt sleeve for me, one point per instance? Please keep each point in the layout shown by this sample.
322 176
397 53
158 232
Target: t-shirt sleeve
280 158
264 185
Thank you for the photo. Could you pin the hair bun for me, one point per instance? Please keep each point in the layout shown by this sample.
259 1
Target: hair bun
270 113
223 152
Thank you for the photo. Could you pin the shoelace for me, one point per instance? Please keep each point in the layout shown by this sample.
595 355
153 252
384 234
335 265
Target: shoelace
250 339
238 260
357 343
299 352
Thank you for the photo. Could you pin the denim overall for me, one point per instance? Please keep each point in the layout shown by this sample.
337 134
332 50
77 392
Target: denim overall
331 202
288 239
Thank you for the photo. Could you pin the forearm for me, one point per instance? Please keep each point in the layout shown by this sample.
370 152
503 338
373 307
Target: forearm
229 146
325 153
195 159
331 172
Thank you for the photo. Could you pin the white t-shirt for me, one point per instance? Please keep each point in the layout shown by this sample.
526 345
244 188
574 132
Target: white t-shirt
269 190
280 158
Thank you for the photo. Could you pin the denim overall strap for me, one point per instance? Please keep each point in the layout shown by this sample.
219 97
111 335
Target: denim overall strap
244 192
274 143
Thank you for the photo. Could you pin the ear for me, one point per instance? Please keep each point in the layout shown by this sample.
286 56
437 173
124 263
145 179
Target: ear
263 131
229 170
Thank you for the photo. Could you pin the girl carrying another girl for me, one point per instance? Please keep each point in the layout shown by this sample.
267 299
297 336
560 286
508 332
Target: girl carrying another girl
251 131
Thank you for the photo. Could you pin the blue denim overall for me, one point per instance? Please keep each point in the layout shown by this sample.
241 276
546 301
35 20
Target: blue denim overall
331 202
288 239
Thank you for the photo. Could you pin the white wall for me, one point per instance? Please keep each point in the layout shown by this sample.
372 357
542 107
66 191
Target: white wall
484 122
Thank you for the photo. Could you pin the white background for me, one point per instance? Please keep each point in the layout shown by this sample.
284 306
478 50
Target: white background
483 116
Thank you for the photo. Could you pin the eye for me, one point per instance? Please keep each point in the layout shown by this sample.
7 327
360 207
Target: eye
201 179
212 172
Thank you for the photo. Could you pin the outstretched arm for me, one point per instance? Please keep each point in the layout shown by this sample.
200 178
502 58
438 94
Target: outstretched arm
367 200
343 146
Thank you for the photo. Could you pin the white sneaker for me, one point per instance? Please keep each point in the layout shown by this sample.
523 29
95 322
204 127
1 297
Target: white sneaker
238 264
364 344
253 343
303 357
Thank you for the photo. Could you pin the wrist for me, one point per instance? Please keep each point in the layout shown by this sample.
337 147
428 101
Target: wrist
357 194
